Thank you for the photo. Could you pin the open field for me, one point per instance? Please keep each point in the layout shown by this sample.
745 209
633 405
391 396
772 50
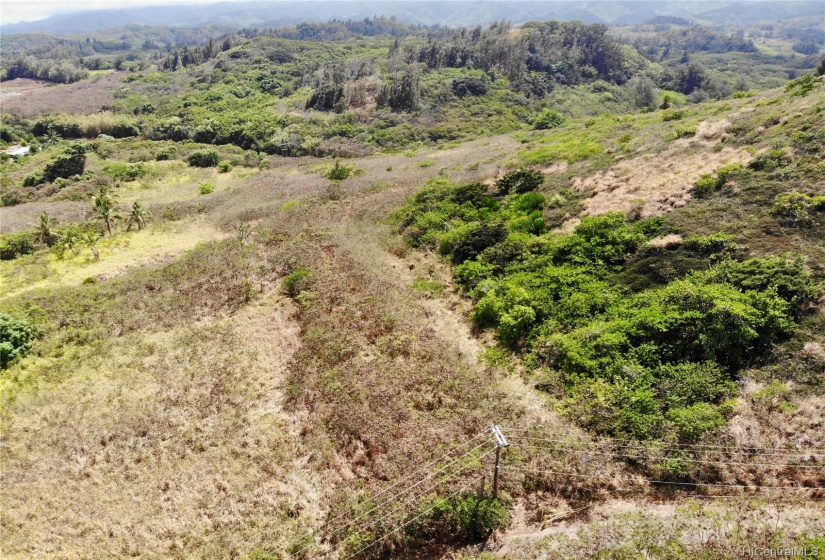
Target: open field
280 341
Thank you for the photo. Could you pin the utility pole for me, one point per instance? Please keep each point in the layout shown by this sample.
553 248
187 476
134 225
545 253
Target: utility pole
501 441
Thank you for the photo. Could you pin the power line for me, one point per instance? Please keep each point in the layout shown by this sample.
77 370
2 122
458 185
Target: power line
673 446
727 463
385 490
405 491
426 511
632 441
408 502
697 484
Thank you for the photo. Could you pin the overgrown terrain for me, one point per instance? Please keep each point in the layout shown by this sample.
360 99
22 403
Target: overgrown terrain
266 298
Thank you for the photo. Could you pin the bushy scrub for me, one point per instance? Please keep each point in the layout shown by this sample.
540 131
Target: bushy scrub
521 181
206 188
68 164
795 209
126 171
296 281
709 184
203 158
770 161
462 518
548 118
339 172
71 162
657 363
470 240
166 153
14 245
15 339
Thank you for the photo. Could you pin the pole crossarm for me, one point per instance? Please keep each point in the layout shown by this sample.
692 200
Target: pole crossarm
501 441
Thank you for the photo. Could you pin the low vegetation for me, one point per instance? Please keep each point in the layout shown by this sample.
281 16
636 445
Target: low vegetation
285 271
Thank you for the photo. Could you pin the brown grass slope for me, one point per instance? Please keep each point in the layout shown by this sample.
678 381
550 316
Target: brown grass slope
189 409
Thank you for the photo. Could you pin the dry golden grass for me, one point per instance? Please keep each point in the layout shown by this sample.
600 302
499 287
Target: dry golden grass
171 440
211 417
172 444
714 529
659 182
33 97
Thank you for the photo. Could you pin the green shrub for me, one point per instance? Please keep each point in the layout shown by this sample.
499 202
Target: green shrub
203 158
166 153
206 188
673 116
600 241
547 119
707 245
469 273
468 242
502 254
126 172
515 324
296 281
34 179
704 187
224 166
793 209
709 184
686 384
692 422
14 245
770 161
802 85
487 311
521 181
776 396
468 86
471 193
339 172
462 518
15 339
686 131
532 223
789 279
71 162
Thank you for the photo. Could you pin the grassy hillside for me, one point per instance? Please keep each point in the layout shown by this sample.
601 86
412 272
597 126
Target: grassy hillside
269 340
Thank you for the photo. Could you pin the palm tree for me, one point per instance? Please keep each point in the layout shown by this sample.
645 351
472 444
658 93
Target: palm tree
105 208
52 136
70 238
90 239
45 229
137 216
